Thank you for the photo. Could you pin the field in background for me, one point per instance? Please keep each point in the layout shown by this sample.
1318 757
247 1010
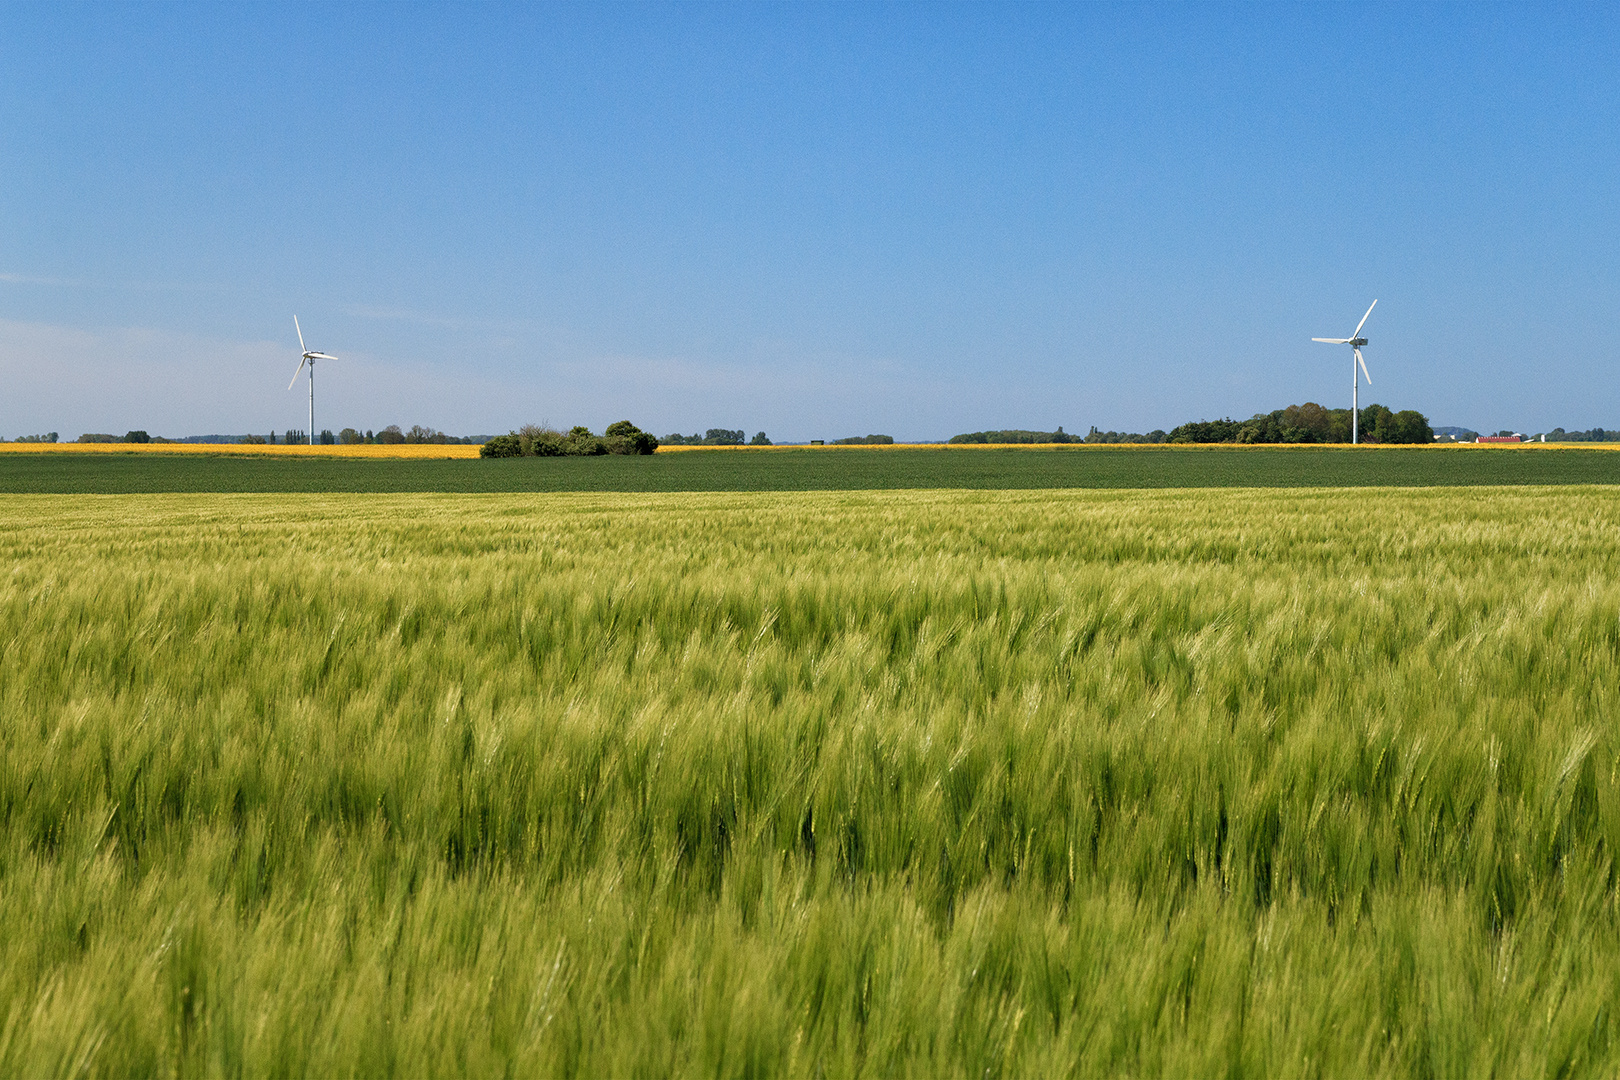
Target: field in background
407 451
323 469
1279 783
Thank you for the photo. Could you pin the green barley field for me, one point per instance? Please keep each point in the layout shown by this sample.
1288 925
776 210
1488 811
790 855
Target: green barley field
1228 782
820 469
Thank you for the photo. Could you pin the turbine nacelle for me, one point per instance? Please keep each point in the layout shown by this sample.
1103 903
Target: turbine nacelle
309 357
1358 342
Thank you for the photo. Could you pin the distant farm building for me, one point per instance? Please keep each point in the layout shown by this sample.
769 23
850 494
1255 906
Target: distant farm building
1500 438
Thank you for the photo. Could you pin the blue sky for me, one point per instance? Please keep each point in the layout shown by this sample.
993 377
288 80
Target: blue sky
813 221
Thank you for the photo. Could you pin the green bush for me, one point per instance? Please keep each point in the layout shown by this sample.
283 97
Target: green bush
580 442
502 446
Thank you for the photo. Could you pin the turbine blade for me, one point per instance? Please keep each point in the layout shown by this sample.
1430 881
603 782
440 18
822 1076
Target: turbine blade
301 362
1363 322
1363 364
319 356
301 346
1333 340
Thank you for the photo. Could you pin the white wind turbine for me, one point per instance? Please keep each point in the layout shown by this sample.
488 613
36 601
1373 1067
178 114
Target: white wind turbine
1355 341
309 358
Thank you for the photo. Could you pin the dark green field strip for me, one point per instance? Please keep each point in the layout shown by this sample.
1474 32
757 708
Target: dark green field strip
813 470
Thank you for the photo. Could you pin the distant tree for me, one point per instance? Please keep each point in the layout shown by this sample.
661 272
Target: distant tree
1377 424
327 438
391 435
253 440
1412 427
349 437
48 437
760 439
865 440
137 437
623 437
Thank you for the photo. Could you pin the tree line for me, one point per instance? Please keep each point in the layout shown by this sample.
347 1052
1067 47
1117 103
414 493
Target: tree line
534 440
390 435
1307 423
717 437
1310 423
1015 435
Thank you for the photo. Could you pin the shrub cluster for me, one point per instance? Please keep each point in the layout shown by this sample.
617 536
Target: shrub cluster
622 437
865 440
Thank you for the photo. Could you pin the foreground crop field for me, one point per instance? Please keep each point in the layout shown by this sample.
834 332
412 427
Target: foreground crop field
1280 783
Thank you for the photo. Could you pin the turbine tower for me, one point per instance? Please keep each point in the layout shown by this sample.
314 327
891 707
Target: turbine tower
309 358
1355 341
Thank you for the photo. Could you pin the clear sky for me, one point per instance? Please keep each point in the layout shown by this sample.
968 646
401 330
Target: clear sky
813 221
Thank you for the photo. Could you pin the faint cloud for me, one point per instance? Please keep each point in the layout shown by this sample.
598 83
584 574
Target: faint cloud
395 314
426 318
29 279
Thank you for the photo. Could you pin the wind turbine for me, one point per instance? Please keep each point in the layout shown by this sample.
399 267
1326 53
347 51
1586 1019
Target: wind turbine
309 358
1355 341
